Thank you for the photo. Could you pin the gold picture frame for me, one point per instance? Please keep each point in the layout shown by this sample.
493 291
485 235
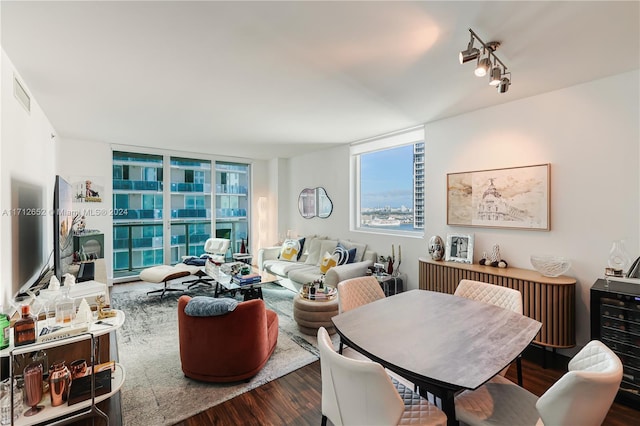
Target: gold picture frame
514 198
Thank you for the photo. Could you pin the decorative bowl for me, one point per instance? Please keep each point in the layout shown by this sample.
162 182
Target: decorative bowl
550 266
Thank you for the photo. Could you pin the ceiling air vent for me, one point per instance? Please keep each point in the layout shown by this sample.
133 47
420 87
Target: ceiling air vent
21 95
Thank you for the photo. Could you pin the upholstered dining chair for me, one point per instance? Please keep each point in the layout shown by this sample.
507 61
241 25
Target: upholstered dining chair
359 392
582 396
356 292
504 297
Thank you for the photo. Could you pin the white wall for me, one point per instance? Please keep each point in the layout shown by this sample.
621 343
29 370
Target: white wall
27 153
89 159
588 133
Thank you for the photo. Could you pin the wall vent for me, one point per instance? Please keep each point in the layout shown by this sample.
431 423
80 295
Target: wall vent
21 94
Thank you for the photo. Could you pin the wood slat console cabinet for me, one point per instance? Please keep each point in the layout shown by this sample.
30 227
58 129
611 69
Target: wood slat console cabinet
548 300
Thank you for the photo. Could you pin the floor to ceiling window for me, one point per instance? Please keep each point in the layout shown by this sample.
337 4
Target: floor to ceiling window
190 207
232 203
137 190
173 197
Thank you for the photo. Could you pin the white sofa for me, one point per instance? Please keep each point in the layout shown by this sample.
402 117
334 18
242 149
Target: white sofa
295 273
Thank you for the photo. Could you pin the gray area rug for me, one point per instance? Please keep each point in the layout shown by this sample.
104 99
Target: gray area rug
155 391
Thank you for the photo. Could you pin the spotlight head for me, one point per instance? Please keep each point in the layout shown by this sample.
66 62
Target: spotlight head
484 65
470 54
504 85
496 76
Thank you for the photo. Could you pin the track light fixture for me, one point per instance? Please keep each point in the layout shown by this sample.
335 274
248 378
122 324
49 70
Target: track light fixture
488 63
496 76
505 82
470 54
483 67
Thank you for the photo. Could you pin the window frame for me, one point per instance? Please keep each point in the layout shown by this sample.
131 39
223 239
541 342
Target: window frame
405 137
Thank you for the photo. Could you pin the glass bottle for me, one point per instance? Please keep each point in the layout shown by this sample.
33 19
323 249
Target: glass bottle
618 257
5 330
40 357
24 330
65 308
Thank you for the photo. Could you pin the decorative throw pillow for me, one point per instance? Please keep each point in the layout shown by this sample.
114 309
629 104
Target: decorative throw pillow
291 249
326 246
301 252
313 249
203 306
344 256
328 261
360 249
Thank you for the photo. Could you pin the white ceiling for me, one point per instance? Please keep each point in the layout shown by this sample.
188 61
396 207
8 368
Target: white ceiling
275 79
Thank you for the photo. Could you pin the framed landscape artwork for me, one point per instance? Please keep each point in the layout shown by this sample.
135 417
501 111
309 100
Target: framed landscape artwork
516 197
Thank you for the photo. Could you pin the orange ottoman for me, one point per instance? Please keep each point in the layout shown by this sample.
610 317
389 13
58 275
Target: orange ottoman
313 314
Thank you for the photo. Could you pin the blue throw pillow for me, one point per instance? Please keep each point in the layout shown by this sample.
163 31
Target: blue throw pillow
195 261
203 306
344 256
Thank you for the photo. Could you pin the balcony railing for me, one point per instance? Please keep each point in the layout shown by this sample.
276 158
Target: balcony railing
145 251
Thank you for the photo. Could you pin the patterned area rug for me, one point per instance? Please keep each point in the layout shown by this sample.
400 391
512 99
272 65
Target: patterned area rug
155 391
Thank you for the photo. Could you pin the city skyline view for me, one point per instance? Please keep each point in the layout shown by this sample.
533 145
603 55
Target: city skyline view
387 178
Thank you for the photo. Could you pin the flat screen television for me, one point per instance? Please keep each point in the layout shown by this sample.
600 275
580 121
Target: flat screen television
29 245
62 227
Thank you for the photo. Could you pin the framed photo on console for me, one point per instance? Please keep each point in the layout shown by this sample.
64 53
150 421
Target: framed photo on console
459 248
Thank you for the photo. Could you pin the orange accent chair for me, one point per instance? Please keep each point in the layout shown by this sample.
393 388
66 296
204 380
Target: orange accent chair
230 347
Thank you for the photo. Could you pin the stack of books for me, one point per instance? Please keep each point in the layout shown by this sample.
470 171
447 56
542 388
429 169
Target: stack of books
246 279
58 333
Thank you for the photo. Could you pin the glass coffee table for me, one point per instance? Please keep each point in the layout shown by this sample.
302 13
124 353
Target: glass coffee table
225 284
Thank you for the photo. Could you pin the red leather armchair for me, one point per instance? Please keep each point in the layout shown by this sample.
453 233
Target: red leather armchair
230 347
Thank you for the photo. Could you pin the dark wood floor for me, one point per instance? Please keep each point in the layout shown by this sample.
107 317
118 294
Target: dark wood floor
295 399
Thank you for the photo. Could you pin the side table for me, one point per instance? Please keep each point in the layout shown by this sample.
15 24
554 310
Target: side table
313 314
391 284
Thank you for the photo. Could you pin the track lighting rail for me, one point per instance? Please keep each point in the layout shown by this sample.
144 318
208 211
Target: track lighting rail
487 62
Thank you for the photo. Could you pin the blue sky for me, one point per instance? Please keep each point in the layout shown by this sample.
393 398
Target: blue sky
387 178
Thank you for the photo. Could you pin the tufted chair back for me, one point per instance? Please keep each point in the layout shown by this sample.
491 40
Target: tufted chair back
585 393
582 396
358 291
356 391
504 297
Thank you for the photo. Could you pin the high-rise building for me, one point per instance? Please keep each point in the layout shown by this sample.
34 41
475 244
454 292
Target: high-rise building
418 185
